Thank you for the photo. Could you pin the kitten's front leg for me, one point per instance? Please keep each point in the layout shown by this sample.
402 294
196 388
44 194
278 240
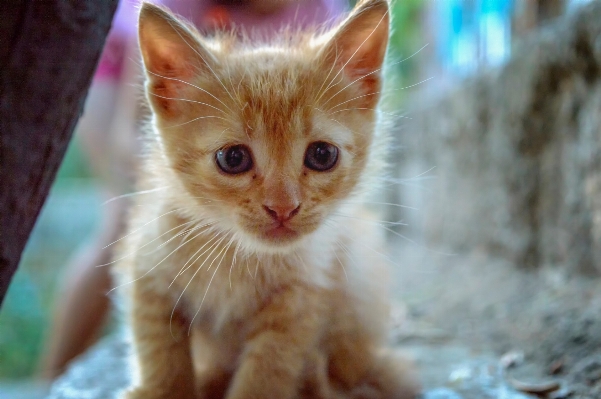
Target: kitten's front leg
283 335
161 349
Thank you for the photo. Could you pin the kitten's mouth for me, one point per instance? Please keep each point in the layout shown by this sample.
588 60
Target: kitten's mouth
280 233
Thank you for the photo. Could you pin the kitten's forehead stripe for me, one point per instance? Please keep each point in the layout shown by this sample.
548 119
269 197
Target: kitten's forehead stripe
275 104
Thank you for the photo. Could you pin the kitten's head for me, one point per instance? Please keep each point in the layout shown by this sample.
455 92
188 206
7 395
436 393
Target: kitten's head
267 140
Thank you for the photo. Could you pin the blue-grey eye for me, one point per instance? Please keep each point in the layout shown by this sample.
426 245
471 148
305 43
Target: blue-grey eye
321 156
235 159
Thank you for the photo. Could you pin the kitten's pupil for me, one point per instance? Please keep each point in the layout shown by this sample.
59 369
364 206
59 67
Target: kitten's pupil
235 159
321 156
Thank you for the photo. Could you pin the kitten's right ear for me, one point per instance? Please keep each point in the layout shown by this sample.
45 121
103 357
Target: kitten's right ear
172 55
358 44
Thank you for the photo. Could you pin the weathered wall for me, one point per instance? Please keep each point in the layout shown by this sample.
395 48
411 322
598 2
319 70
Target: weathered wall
517 153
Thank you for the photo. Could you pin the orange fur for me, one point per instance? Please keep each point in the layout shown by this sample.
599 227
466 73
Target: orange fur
230 302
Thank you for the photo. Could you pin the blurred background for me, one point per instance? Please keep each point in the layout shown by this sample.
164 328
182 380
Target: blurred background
435 45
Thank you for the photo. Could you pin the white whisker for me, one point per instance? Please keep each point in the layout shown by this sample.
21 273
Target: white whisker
206 64
341 264
380 203
194 120
154 190
149 242
380 92
224 251
372 72
233 262
256 269
187 100
189 84
369 109
185 232
416 243
141 227
328 75
375 222
346 251
354 53
195 256
187 285
155 266
248 267
209 199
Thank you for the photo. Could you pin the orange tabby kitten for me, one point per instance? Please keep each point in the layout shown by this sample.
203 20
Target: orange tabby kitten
267 282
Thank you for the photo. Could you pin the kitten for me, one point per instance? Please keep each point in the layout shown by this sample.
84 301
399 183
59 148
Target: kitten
266 280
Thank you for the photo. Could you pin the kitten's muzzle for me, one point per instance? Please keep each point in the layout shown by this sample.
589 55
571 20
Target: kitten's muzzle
282 212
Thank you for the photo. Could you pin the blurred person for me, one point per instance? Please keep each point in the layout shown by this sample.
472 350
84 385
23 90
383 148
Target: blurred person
108 136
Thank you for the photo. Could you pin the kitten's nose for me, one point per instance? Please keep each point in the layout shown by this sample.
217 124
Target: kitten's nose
282 212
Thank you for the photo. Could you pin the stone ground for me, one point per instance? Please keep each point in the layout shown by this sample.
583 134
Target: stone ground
477 329
456 316
25 390
463 317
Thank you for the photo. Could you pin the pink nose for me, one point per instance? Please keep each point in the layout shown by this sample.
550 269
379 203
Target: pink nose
282 213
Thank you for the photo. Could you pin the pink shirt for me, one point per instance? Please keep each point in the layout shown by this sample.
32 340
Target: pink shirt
204 13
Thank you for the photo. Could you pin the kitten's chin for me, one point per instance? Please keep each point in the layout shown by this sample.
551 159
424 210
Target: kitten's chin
280 235
273 237
279 239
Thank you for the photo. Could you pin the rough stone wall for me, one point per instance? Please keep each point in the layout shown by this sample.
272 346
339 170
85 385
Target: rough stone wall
517 153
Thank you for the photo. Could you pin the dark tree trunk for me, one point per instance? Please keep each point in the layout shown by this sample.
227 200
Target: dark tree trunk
48 53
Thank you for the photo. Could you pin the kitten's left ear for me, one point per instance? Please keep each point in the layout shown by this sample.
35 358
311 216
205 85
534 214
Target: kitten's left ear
172 54
358 44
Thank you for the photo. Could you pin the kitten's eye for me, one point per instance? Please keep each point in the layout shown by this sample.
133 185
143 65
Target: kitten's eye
321 156
235 159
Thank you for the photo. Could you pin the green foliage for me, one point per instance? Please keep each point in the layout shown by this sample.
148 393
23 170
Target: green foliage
20 334
70 217
406 34
74 164
406 39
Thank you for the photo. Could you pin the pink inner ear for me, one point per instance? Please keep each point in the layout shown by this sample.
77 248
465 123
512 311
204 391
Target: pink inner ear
160 93
166 66
171 55
368 46
364 67
361 43
167 60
